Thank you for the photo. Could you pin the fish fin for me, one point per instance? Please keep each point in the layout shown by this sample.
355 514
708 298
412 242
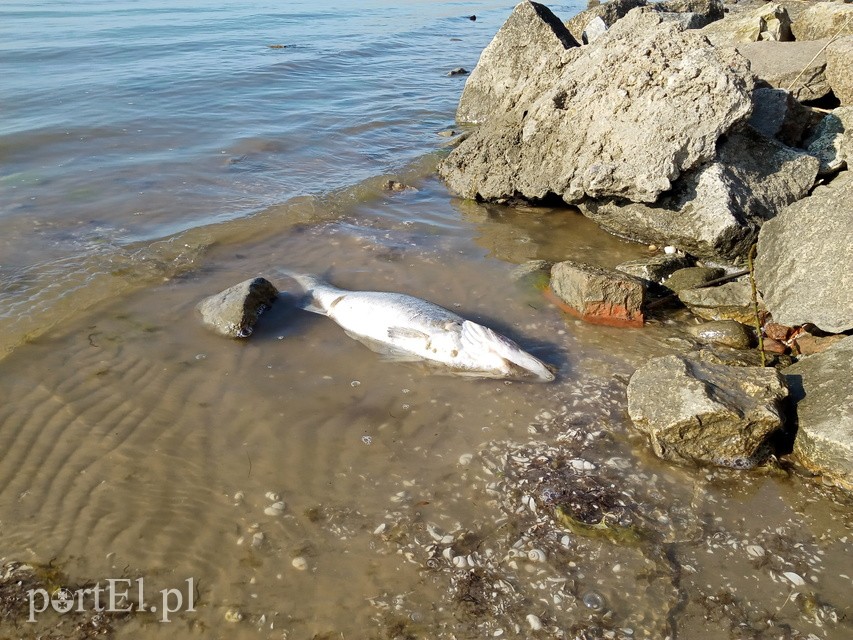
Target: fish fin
387 352
476 336
406 333
308 304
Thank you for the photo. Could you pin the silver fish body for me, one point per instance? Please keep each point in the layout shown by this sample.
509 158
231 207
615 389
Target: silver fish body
408 328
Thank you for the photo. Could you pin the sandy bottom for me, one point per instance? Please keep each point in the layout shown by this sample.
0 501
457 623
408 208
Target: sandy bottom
135 444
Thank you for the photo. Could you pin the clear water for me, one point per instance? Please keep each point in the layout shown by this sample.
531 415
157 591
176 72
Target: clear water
152 154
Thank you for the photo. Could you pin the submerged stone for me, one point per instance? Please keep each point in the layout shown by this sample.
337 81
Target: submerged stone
598 295
695 411
235 311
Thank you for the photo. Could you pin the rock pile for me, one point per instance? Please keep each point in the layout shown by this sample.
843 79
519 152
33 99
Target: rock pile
718 134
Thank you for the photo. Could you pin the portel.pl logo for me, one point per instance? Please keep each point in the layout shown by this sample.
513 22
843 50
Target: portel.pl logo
113 598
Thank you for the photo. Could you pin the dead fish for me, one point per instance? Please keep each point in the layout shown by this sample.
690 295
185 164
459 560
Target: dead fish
403 327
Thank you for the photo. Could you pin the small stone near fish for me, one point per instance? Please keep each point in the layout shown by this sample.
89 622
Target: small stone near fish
300 563
257 539
458 71
233 616
794 578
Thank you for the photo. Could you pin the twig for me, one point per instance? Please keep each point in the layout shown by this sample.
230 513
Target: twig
749 257
837 33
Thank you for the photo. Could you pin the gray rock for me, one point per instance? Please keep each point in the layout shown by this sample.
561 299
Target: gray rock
798 67
766 22
777 114
530 46
824 20
717 210
598 295
839 69
458 71
692 277
832 141
727 333
595 28
707 11
803 268
656 268
822 387
613 123
234 312
696 411
729 301
609 12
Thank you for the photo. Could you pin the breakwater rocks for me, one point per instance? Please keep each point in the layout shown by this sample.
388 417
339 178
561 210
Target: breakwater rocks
722 132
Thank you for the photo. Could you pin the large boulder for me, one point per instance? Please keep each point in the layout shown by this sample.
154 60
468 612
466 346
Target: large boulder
839 69
597 295
824 20
803 268
614 123
766 22
608 12
696 411
832 141
530 45
235 311
822 387
716 211
798 67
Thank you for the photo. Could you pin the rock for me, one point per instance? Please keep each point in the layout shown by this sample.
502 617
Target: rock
705 11
692 277
458 71
708 413
532 269
727 333
774 346
234 312
394 185
809 344
656 268
832 141
798 67
777 331
766 22
608 12
595 28
717 210
822 387
824 20
613 123
777 114
531 44
730 301
839 69
803 263
601 296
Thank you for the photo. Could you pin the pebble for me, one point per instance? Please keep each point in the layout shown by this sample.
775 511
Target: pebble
534 622
669 249
299 563
593 600
257 539
238 497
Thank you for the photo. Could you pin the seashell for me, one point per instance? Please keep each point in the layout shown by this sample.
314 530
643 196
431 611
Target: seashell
498 633
233 616
299 563
447 554
275 509
536 555
465 459
448 539
579 464
795 578
238 497
756 551
473 560
593 600
534 622
460 562
566 541
380 529
272 496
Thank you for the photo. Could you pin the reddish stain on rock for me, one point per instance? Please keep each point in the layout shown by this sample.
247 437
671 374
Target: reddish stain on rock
602 313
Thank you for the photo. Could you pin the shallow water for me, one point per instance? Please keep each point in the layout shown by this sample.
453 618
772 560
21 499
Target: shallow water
133 443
